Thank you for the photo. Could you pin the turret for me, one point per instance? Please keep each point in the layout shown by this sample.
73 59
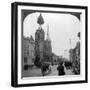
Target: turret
40 34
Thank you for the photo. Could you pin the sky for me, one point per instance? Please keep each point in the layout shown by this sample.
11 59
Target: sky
63 29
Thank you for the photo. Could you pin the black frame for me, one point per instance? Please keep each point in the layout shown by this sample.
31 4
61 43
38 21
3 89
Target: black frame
14 43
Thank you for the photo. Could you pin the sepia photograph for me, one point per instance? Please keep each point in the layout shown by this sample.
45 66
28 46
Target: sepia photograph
51 44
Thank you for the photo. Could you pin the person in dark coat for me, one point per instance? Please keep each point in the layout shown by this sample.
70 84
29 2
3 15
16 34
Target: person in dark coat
44 68
60 69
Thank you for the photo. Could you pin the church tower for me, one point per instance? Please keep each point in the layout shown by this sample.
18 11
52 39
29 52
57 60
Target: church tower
48 41
40 34
47 47
39 40
48 37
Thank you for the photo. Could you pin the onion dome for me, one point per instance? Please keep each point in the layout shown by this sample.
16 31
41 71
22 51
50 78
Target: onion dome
40 20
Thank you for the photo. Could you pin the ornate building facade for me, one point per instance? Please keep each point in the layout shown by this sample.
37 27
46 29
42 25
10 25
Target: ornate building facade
43 49
39 50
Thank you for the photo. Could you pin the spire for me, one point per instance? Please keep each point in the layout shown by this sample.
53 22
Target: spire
31 39
48 38
40 20
47 31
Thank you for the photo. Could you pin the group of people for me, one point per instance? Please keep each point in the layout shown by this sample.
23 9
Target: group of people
47 68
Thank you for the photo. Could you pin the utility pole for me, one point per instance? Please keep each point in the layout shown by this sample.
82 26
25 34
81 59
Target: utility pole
70 43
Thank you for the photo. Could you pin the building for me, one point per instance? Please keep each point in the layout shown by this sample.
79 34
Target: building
28 52
39 50
75 57
71 54
47 47
76 62
43 49
31 56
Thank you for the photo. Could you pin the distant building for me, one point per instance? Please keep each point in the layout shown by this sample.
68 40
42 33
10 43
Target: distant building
54 57
71 54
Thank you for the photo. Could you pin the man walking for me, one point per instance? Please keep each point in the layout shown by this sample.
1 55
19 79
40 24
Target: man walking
60 69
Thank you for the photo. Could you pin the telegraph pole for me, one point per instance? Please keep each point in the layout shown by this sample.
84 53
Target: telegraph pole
70 43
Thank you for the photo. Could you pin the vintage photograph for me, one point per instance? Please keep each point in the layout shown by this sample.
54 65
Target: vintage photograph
50 44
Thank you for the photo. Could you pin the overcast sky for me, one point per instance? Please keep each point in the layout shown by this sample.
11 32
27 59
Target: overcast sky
62 28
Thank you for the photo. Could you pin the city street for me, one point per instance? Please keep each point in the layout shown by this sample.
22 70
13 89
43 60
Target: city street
35 72
55 72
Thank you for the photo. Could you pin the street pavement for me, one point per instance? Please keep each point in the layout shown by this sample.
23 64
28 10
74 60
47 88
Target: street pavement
35 72
55 72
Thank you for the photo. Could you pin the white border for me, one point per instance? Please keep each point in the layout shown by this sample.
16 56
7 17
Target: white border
52 78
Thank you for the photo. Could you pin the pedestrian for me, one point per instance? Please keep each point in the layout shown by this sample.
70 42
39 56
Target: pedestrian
43 69
60 69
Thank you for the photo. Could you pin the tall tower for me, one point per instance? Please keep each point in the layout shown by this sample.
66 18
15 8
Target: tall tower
40 35
39 40
48 38
47 47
